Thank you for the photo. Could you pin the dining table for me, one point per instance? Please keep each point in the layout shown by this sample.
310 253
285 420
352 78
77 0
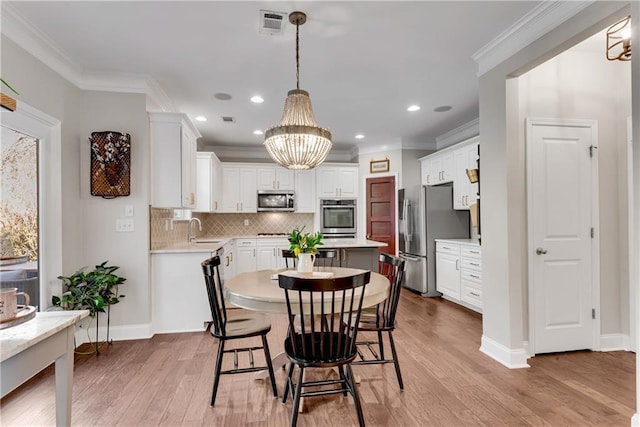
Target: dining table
260 291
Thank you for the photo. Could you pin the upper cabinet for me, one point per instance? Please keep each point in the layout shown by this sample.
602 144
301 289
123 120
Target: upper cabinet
173 160
337 181
274 178
209 183
450 165
305 191
239 191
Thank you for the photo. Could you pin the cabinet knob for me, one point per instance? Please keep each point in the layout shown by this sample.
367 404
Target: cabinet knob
541 251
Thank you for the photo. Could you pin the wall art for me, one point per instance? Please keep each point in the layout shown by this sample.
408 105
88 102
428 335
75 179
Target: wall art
110 164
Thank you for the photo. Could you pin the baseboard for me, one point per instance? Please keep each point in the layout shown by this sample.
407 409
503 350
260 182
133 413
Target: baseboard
512 359
614 342
116 333
635 420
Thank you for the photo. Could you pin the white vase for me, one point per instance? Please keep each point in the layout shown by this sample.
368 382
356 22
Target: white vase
305 263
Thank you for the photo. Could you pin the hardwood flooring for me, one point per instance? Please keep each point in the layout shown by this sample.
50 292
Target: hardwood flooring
167 381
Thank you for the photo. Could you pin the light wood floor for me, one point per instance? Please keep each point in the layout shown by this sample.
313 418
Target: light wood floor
448 382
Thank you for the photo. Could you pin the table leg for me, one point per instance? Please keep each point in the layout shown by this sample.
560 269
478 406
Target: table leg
277 361
64 382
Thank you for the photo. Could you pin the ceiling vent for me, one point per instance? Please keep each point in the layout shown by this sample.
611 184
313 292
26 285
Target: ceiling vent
228 119
272 23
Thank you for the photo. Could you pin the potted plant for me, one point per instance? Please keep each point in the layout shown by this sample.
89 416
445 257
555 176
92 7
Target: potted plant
304 246
92 290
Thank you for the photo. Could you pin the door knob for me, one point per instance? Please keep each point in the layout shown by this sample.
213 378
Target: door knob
540 251
368 236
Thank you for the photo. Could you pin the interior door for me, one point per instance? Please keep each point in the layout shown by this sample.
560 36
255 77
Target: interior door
561 180
381 212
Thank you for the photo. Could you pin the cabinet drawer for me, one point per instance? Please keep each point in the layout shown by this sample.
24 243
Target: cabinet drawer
470 252
245 242
472 276
471 294
447 248
471 264
272 242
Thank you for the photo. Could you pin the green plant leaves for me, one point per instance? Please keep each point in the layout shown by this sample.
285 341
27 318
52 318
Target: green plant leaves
304 243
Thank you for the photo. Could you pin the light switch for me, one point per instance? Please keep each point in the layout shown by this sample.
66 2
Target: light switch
128 210
124 225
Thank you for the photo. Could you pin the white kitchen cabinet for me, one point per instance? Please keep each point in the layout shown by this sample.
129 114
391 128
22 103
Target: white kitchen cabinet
227 262
173 160
269 253
274 178
438 168
239 193
464 192
459 272
337 181
246 255
305 191
179 296
209 183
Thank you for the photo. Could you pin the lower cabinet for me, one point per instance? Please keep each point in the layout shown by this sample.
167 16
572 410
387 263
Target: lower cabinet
245 255
459 273
269 253
363 258
227 262
179 296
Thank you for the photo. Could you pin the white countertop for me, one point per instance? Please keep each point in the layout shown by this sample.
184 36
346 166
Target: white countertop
18 338
201 244
471 242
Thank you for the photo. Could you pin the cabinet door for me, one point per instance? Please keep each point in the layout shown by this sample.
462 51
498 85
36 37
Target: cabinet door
230 188
248 191
472 163
305 191
460 180
280 262
188 146
348 182
448 274
266 257
447 167
228 263
266 178
246 257
203 183
166 165
435 169
327 181
425 172
216 184
284 179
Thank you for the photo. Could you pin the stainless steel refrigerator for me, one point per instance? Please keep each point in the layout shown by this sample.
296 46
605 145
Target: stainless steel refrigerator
426 213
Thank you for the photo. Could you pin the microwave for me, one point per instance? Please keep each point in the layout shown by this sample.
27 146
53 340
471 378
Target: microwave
275 201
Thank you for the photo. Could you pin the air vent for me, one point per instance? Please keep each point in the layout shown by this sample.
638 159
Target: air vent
228 119
272 22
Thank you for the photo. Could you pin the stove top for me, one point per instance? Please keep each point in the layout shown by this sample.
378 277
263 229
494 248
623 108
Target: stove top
273 234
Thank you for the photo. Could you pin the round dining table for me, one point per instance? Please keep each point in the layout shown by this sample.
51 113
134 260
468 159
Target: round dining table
259 290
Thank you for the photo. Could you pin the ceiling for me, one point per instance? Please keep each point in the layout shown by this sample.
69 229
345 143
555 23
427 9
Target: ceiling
363 63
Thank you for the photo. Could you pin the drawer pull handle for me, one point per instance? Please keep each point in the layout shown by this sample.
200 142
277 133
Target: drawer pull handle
475 263
475 294
446 247
474 252
474 276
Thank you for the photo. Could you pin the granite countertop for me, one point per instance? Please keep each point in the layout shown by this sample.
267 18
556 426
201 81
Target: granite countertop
212 244
460 241
18 338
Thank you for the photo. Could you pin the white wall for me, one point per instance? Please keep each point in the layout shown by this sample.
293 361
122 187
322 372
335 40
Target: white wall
560 88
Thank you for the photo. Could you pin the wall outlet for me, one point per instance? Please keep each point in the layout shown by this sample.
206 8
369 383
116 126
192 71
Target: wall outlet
246 222
128 210
124 225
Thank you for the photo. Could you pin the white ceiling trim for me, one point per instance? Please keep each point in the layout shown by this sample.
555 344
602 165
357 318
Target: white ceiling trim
459 134
31 39
544 18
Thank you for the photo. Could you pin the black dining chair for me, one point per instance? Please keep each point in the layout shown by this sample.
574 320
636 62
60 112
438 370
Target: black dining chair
318 337
382 318
228 328
326 257
289 256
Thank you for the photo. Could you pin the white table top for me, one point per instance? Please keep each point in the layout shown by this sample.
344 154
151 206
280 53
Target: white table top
257 291
18 338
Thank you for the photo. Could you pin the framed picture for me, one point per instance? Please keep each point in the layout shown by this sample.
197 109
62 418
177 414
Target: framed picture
376 166
110 164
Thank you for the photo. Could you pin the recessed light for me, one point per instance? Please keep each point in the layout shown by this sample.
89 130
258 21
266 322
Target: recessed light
413 108
257 132
359 136
442 108
222 96
257 99
201 118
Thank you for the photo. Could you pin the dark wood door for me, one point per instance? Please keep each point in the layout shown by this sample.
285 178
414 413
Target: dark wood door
381 211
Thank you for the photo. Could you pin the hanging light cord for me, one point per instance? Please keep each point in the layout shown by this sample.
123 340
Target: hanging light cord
297 56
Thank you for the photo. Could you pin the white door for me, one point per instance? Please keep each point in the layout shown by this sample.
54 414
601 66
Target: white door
562 174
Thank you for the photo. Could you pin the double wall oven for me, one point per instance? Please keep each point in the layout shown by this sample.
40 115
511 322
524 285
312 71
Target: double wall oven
338 217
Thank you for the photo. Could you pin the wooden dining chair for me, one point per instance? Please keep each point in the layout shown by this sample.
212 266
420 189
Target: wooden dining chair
382 318
289 256
228 328
327 343
326 257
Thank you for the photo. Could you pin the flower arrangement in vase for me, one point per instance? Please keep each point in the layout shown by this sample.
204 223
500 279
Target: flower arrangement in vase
304 246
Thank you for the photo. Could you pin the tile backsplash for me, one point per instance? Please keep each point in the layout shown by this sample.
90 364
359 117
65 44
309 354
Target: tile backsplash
165 232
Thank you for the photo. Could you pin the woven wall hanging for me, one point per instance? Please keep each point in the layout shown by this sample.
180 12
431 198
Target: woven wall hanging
110 164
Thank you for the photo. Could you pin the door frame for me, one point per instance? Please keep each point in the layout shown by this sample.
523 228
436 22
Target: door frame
595 221
363 196
47 130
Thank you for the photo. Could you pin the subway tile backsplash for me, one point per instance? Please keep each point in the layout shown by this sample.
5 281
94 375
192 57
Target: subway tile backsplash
223 225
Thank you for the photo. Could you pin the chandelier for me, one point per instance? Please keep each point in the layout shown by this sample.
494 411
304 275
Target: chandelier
619 40
297 142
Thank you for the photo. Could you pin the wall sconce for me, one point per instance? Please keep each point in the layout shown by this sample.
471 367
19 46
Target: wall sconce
619 40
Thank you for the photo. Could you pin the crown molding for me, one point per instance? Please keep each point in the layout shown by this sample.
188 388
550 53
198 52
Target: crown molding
466 131
538 22
34 41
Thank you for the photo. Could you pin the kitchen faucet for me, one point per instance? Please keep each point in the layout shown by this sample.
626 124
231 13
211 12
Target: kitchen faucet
189 236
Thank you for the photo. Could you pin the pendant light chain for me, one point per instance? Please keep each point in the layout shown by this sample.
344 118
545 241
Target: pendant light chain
298 56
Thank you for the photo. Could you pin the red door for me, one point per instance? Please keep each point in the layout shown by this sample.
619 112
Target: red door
381 212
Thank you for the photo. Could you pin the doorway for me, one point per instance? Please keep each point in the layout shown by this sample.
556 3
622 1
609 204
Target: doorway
563 251
381 211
